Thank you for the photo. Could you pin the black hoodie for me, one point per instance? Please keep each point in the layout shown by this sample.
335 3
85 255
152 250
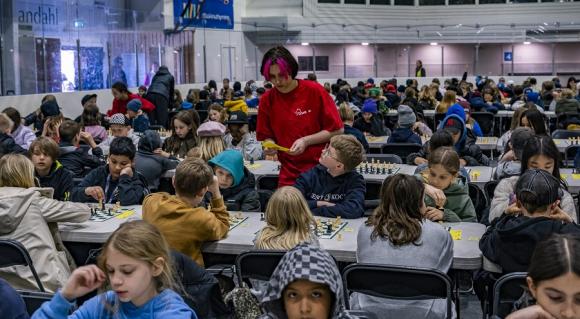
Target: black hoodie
60 179
511 240
149 164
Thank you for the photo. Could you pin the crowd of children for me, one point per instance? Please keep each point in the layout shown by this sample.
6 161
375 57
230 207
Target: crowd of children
48 177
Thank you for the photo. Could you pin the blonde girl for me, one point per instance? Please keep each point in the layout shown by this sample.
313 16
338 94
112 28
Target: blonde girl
449 98
29 216
135 269
211 139
288 221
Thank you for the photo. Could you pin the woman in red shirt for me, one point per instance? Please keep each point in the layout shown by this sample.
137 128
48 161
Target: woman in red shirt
122 96
296 114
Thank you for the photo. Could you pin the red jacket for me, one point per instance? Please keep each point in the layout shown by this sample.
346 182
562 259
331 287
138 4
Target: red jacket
121 106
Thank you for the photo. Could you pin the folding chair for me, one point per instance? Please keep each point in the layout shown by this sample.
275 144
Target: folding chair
14 254
269 182
34 299
384 158
507 290
372 196
478 198
397 283
257 264
570 154
486 121
490 189
401 149
264 195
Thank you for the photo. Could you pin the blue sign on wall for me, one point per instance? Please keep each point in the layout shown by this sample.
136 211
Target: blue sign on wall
217 14
508 56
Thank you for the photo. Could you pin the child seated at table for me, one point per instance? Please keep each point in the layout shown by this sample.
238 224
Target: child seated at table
115 182
370 122
392 235
29 215
237 184
347 117
470 154
509 163
183 135
404 133
151 161
447 194
439 139
139 120
185 225
511 239
553 280
119 126
333 188
8 143
539 152
48 170
216 113
74 157
211 139
305 284
239 138
136 263
90 122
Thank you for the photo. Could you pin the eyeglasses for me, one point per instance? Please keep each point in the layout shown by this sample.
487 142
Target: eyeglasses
326 153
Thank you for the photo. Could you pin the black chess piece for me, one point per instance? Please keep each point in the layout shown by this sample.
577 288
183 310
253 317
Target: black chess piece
329 228
92 212
384 172
109 212
262 217
251 161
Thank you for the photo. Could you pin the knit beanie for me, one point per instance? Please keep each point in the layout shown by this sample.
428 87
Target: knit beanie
406 116
134 105
370 106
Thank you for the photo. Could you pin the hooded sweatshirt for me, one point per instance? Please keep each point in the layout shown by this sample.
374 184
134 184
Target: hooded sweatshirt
152 166
75 159
10 146
458 207
404 135
167 304
186 228
25 214
567 106
242 194
434 251
59 179
466 147
23 136
308 263
346 191
511 239
457 109
236 105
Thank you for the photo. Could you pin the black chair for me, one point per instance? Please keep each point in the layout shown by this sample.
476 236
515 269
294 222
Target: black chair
507 290
570 154
564 119
401 149
397 283
486 121
565 134
490 190
264 195
257 264
372 196
384 158
34 299
269 182
478 198
14 254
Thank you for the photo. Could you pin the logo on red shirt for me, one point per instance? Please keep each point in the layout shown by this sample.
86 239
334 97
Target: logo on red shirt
299 112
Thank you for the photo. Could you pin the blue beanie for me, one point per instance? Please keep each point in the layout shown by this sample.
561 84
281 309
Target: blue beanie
233 162
370 106
186 105
533 97
134 105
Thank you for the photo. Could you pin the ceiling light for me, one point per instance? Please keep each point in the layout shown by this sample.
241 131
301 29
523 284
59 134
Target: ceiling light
527 42
305 43
365 43
433 43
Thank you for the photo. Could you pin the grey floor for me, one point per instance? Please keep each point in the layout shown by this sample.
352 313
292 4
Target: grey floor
470 307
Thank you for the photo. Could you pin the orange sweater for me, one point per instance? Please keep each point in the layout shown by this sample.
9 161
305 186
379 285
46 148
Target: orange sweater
186 228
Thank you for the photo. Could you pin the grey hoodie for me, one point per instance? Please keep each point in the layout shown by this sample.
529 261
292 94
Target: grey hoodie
303 262
25 215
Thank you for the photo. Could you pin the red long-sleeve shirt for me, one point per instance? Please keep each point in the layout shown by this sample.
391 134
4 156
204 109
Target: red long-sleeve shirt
120 106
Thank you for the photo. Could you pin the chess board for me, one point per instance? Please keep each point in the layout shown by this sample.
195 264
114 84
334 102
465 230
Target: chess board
328 228
377 168
100 215
236 220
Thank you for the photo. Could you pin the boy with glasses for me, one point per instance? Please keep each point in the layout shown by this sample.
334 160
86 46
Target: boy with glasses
333 188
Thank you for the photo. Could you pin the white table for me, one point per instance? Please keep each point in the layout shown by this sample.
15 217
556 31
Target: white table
487 143
377 141
466 253
571 178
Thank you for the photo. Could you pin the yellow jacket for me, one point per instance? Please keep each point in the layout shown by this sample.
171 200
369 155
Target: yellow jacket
186 228
237 105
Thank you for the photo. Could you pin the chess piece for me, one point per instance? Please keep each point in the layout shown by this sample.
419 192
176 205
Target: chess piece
339 237
109 212
329 228
262 217
251 161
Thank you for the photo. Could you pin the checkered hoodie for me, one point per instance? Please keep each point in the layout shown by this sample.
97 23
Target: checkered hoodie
303 262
